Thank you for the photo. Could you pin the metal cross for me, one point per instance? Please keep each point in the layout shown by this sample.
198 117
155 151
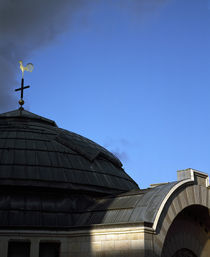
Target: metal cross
21 102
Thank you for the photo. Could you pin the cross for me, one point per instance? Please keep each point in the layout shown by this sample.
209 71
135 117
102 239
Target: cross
21 102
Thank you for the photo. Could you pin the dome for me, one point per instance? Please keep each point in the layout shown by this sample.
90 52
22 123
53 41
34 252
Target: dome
36 153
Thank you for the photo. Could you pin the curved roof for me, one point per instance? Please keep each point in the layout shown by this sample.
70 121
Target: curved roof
46 209
137 206
35 152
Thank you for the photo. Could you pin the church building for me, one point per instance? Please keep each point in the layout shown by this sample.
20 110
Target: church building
62 195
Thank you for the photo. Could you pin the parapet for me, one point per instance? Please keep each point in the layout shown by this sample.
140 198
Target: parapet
200 178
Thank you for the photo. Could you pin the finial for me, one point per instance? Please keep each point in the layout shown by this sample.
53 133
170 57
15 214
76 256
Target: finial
29 67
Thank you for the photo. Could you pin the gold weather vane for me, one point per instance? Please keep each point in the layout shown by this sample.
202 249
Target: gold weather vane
29 67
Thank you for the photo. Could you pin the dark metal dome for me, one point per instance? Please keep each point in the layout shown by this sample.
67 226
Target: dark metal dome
35 152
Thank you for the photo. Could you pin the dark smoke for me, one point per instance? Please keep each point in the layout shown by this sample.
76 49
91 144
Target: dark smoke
117 147
26 25
121 155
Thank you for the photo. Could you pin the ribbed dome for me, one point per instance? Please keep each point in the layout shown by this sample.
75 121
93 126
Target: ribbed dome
35 152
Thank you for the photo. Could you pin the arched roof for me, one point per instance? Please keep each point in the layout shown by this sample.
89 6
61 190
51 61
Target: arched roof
35 152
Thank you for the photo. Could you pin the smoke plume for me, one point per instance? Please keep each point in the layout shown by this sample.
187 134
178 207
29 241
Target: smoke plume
119 147
26 25
121 155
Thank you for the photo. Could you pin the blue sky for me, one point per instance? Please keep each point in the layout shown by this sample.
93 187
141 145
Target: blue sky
134 78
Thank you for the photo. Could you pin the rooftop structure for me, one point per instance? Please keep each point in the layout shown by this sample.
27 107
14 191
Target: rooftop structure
63 194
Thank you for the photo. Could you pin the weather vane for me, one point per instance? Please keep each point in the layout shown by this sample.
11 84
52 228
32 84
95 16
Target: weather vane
29 67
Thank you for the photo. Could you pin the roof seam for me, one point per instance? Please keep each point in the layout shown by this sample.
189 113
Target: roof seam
56 167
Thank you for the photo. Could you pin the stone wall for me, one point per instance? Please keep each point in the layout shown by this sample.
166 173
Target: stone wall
99 242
